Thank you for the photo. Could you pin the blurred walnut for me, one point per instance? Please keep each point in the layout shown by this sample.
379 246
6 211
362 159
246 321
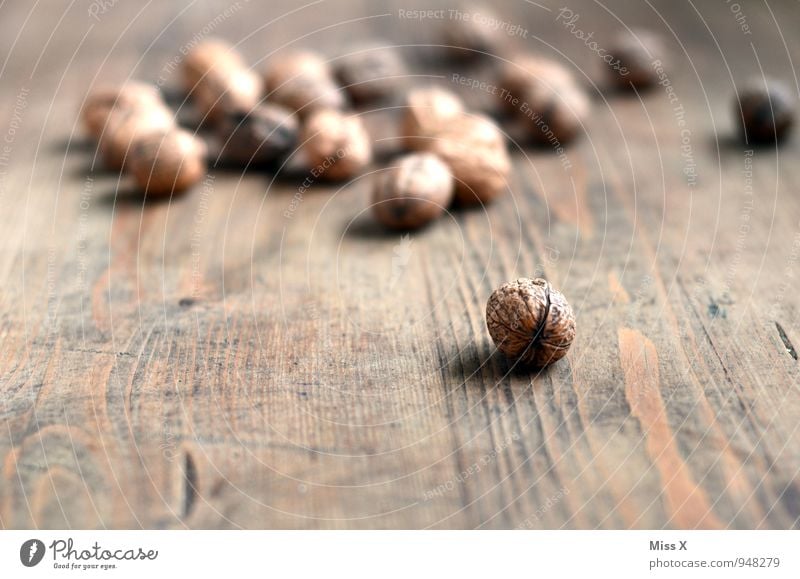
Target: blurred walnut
427 112
105 100
125 128
222 91
265 134
472 32
371 72
764 111
302 82
213 55
634 54
413 192
474 148
168 162
337 145
530 322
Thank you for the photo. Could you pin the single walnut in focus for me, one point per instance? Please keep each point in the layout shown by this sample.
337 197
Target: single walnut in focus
125 128
104 101
530 322
169 162
427 112
634 55
213 55
544 96
765 111
413 192
265 134
371 72
472 32
302 82
474 148
222 91
337 145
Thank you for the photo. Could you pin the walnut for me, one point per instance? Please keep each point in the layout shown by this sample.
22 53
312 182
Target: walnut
413 192
371 72
168 162
225 90
634 55
764 111
210 55
471 33
474 149
125 128
103 101
427 112
546 97
302 82
265 134
530 322
337 145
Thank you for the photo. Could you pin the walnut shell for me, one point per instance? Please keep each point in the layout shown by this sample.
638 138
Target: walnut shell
210 55
265 134
125 128
414 191
472 33
524 71
222 91
337 145
303 82
371 72
635 53
474 149
427 112
554 114
530 322
170 162
103 101
764 111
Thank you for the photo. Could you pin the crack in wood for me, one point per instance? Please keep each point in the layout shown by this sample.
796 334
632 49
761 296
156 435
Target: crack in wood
786 342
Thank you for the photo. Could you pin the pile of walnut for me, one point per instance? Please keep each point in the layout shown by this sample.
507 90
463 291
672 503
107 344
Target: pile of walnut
451 154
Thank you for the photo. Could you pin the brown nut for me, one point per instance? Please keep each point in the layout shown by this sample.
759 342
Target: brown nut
207 56
427 112
371 72
125 128
337 145
265 134
472 32
222 91
413 192
524 71
764 111
169 162
634 55
554 115
530 322
474 149
302 82
102 101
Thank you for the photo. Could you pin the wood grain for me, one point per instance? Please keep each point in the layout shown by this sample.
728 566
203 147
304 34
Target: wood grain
257 354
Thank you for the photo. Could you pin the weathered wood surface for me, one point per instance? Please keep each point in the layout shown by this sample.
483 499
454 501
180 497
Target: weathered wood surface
255 355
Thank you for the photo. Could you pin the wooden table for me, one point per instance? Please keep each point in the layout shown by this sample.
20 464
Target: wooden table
259 354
